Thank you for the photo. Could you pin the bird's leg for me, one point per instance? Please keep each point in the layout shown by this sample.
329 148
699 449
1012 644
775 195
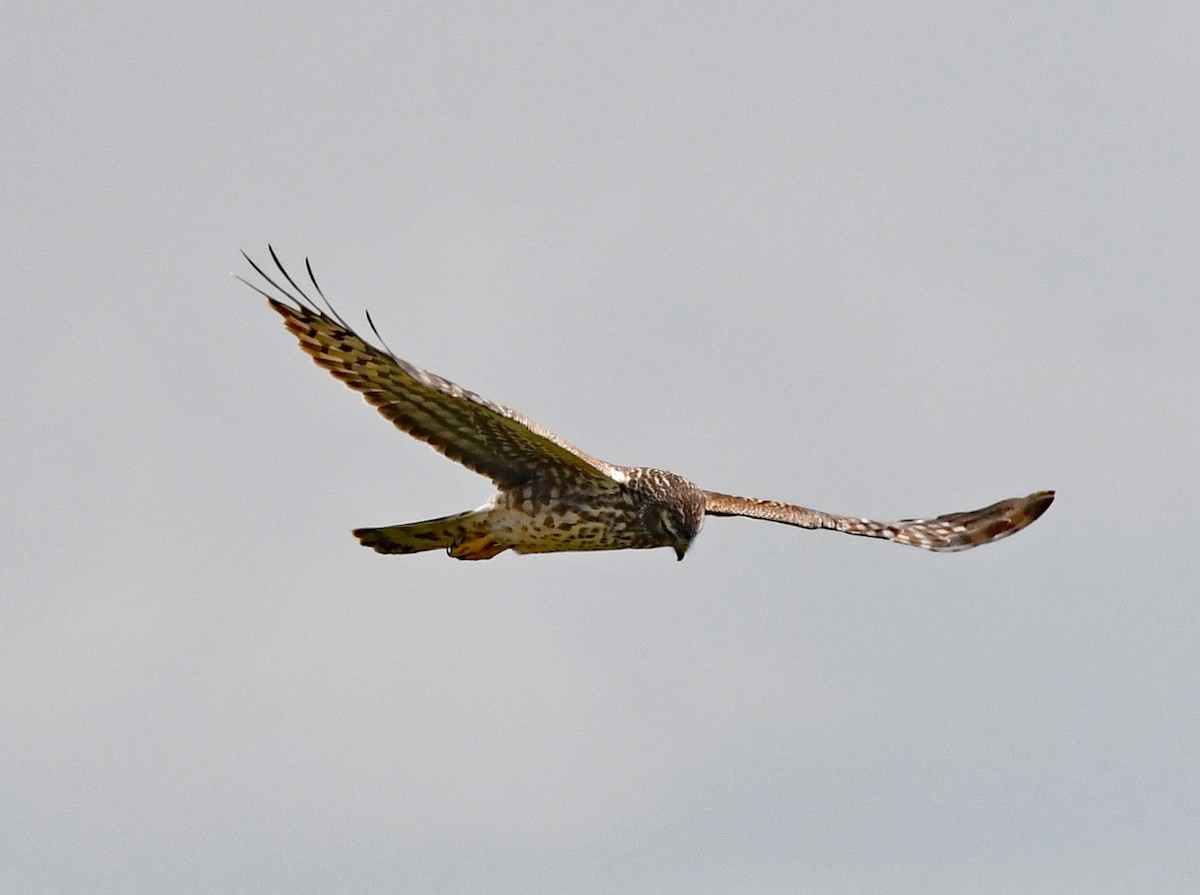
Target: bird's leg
482 546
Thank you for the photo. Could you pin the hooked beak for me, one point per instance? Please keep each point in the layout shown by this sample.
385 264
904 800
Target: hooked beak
680 551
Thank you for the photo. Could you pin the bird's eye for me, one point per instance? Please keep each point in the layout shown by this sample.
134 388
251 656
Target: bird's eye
670 525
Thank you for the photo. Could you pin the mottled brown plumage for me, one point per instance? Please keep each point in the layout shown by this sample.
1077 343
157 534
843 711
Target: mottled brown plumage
553 496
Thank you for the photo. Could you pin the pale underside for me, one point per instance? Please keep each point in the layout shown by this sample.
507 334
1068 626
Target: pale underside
552 495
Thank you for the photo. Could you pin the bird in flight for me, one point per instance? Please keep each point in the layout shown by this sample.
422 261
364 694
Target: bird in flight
551 495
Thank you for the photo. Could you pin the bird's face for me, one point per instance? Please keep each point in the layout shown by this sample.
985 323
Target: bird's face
681 522
673 507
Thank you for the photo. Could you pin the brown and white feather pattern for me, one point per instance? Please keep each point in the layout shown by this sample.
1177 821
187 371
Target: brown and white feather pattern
948 533
483 436
553 496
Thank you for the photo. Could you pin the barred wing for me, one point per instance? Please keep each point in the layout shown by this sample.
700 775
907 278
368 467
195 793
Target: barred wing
486 437
954 531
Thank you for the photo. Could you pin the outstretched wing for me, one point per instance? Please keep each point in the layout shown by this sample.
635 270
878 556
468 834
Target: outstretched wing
483 436
954 531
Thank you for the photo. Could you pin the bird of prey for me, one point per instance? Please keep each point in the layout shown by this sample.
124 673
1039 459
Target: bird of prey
551 495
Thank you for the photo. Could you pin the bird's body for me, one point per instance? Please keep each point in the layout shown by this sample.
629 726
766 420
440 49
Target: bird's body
552 496
540 518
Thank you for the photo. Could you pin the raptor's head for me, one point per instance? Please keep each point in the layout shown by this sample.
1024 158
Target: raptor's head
674 507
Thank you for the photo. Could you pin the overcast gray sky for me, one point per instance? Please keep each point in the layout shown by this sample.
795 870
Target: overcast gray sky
880 259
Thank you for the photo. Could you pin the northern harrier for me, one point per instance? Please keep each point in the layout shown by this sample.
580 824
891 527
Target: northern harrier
552 496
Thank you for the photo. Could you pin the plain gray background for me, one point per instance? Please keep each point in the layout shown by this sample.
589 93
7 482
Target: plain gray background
880 259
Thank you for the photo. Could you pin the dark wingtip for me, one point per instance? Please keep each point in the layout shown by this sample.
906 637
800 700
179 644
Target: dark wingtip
284 310
1042 499
1038 503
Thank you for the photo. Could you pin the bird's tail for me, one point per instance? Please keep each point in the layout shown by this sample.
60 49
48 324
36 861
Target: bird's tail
461 535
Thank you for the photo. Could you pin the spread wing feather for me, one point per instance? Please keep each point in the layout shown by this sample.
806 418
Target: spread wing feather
486 437
953 531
